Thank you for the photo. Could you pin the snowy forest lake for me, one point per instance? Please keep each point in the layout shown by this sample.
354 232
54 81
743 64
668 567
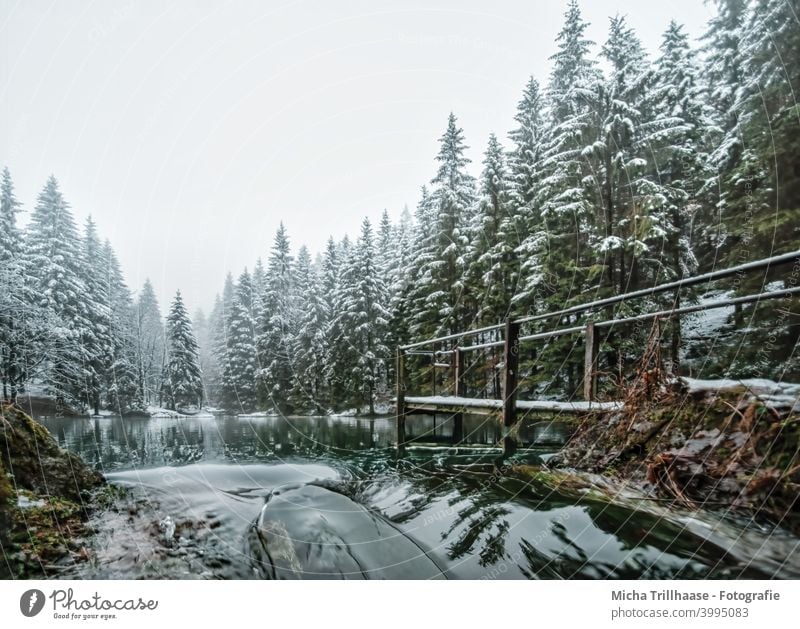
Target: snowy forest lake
197 488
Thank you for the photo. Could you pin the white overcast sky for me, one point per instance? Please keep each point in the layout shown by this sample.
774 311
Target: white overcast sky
190 129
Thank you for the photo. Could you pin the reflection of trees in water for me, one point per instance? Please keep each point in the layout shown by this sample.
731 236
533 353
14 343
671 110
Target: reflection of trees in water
484 528
122 442
636 530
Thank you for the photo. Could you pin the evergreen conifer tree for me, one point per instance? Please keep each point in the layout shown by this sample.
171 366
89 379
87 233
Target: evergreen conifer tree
183 380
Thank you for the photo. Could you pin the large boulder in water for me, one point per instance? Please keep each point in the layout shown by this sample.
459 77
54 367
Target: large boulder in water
315 532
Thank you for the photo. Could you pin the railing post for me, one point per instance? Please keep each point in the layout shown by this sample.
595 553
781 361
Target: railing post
400 413
433 369
433 381
511 363
590 363
458 372
458 391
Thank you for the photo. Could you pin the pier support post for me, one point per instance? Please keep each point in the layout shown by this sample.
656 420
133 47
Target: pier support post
458 391
590 363
433 381
511 364
400 413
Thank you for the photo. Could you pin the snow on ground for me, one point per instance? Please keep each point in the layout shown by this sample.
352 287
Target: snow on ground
381 408
157 411
260 414
777 395
708 323
23 502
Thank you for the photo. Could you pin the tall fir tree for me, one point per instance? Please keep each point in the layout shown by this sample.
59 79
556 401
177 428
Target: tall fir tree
52 262
220 339
274 341
492 271
565 230
202 332
123 392
183 380
241 362
213 348
365 319
679 155
150 344
444 305
16 310
522 228
310 340
96 335
28 329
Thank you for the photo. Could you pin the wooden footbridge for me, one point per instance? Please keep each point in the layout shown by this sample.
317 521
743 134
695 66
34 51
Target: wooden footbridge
449 377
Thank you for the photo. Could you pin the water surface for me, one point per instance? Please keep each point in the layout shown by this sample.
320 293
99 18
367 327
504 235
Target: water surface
208 478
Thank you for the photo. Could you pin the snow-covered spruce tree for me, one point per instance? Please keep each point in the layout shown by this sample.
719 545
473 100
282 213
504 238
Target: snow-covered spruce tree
220 333
15 311
150 345
259 281
723 63
393 259
440 302
722 81
365 318
617 159
413 317
760 189
568 212
522 227
310 341
385 251
492 265
202 332
274 341
52 263
342 354
678 153
399 287
334 267
183 380
241 364
215 350
95 336
10 237
492 269
122 393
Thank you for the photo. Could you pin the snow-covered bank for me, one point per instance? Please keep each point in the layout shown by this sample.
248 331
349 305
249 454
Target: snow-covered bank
722 443
783 396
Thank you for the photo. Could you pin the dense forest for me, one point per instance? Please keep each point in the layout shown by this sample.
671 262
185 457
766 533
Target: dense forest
624 170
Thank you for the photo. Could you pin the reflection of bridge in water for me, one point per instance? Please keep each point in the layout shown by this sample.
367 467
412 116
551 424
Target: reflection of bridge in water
502 371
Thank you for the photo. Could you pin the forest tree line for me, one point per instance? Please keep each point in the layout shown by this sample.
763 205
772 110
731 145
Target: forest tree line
624 170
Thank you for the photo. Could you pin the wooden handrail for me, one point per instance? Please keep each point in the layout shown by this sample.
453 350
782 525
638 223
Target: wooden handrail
711 276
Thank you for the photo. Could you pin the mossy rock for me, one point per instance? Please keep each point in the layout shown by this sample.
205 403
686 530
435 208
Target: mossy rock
6 497
36 462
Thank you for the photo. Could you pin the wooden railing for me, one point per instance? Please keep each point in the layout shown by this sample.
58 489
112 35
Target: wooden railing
511 341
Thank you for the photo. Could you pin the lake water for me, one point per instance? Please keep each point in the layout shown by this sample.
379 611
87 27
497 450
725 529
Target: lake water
199 485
